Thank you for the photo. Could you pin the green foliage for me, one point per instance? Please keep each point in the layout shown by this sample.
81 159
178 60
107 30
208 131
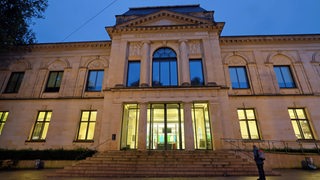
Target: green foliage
15 20
48 154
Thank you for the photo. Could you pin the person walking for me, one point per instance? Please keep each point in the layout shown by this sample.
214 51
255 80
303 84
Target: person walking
259 162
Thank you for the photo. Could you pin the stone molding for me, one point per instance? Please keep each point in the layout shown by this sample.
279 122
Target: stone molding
69 45
224 40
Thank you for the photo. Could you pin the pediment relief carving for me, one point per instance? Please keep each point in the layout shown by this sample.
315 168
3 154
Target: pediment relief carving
194 47
164 18
57 65
135 49
236 60
279 59
20 66
94 62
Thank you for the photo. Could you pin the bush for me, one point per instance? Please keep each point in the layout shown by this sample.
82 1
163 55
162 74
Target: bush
49 154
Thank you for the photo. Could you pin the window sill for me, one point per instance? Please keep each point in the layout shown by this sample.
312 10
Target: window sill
252 140
83 141
35 141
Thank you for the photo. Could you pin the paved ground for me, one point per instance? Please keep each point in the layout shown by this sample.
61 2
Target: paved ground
291 174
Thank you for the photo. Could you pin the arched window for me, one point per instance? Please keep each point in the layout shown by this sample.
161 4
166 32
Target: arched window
164 68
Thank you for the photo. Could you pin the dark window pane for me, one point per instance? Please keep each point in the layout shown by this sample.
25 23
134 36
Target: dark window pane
242 76
164 73
54 81
284 77
196 73
238 77
156 74
173 73
99 80
95 80
133 79
14 82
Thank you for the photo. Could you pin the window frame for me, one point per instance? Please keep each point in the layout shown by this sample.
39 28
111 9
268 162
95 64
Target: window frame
247 120
16 84
96 86
3 119
87 126
298 123
162 57
239 86
129 140
57 82
284 78
201 123
46 121
201 82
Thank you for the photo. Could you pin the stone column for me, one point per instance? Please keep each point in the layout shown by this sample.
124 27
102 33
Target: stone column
184 64
188 127
142 130
145 65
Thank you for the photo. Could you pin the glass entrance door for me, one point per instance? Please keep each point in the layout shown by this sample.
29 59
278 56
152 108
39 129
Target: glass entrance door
165 127
201 126
129 136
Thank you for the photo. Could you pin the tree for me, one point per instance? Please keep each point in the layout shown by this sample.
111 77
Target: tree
15 20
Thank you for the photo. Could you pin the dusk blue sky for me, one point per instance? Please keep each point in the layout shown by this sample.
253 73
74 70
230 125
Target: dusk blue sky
242 17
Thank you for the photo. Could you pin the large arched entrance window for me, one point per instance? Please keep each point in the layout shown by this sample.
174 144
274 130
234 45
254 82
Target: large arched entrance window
164 68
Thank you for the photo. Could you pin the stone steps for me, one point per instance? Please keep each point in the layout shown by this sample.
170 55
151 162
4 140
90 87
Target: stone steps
161 164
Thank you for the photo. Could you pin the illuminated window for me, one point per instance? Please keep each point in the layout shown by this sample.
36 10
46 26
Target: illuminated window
129 137
41 126
54 81
201 126
248 124
14 82
87 125
164 68
196 72
3 119
284 77
300 123
133 77
95 80
238 77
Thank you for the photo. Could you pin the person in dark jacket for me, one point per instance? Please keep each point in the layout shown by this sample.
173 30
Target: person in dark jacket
259 162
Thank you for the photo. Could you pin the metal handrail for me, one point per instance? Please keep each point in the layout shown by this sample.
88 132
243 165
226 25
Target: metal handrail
94 148
298 146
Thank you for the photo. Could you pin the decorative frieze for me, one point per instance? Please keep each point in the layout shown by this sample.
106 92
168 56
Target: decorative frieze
135 50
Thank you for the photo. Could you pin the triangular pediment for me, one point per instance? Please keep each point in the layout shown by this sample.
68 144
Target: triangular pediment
164 18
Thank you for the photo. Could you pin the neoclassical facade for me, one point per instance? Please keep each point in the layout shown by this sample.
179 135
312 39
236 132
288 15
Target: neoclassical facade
167 80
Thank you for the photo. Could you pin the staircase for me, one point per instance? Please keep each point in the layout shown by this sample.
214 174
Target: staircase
161 164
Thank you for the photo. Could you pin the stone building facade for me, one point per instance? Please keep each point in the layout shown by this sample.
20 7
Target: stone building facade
167 80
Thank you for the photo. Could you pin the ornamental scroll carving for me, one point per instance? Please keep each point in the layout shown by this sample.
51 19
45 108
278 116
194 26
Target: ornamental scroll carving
135 49
194 47
94 62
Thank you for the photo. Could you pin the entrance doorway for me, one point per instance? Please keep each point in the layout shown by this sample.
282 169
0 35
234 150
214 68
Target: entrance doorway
165 127
201 126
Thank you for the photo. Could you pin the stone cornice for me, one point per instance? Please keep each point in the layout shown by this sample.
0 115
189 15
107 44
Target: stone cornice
266 39
114 29
67 45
